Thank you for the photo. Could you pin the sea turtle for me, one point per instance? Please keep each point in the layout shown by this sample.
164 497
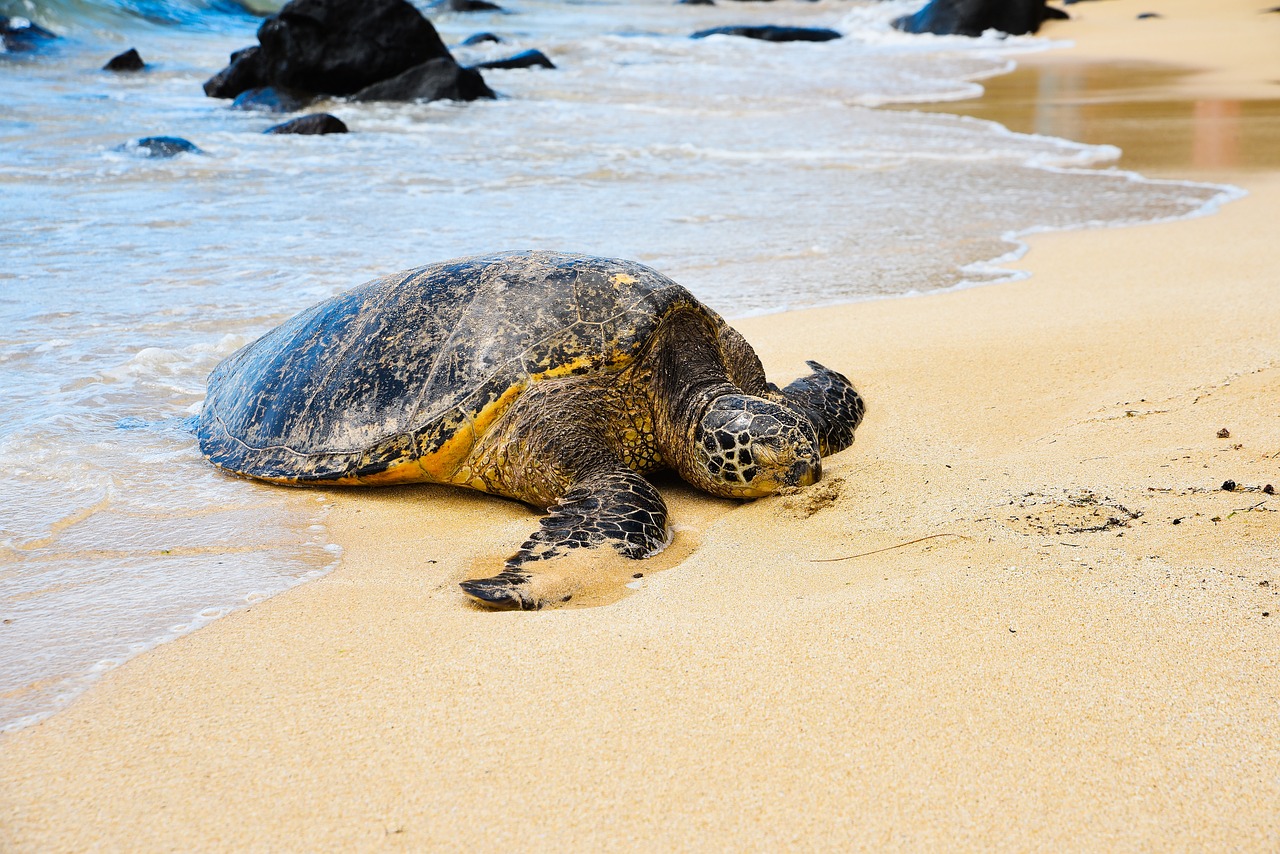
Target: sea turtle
555 379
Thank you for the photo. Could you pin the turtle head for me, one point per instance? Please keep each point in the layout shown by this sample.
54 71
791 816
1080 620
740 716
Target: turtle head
748 447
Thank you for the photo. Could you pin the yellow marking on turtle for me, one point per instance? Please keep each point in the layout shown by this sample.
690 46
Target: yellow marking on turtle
620 279
484 419
436 467
409 471
564 369
441 465
449 464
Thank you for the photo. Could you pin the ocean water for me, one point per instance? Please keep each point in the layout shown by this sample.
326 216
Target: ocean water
762 176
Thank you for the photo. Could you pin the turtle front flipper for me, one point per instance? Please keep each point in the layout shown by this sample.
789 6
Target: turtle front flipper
830 402
616 507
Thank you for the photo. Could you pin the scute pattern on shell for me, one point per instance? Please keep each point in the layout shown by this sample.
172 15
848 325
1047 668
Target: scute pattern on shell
401 367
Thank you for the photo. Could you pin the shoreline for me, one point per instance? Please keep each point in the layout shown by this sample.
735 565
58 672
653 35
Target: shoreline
1045 669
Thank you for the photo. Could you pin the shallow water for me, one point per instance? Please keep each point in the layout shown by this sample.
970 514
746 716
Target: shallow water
761 176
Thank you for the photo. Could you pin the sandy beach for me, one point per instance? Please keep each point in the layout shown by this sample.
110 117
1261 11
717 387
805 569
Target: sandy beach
1021 612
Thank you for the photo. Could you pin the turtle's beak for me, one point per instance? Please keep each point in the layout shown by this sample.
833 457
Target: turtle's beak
804 473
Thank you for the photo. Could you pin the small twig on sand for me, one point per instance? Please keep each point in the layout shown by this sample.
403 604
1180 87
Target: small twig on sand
885 549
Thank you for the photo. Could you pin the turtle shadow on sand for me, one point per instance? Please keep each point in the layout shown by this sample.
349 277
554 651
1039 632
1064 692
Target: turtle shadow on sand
557 380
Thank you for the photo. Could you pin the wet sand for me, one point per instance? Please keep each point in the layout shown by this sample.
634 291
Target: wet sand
1021 611
1138 107
1191 94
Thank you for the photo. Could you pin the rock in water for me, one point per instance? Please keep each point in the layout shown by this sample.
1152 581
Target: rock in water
527 59
473 6
772 34
20 35
435 80
974 17
127 61
481 38
243 72
316 123
160 147
331 47
271 100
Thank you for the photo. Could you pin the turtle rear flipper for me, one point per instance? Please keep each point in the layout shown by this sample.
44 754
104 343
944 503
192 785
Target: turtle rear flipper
831 403
616 507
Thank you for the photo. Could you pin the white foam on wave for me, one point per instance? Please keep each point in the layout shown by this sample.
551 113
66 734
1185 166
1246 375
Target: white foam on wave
996 269
116 536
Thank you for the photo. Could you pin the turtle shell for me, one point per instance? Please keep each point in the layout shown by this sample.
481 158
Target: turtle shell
395 380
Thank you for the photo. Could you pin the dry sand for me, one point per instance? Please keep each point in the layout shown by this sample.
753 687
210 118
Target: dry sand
1083 655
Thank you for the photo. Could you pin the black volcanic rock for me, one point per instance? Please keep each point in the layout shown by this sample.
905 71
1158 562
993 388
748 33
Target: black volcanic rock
160 147
525 59
481 38
473 6
974 17
695 2
271 100
772 33
316 123
20 35
331 47
127 61
434 80
244 72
